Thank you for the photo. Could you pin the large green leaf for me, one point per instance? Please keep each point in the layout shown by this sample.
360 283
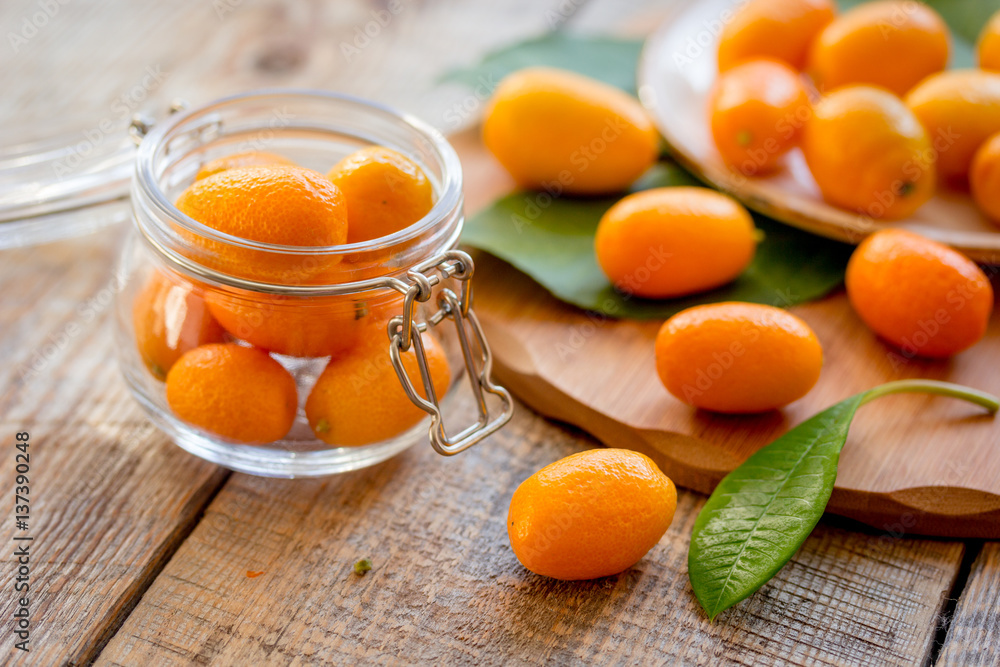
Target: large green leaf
761 513
608 59
552 240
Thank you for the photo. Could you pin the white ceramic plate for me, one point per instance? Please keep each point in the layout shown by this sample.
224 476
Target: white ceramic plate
676 72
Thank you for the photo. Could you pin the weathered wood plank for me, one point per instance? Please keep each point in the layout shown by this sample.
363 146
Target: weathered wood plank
975 626
446 587
107 503
91 60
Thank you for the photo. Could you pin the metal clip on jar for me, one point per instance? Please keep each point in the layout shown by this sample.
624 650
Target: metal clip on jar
414 282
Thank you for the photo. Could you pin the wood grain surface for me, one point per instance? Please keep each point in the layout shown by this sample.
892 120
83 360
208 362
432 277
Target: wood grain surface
446 588
975 626
142 552
106 506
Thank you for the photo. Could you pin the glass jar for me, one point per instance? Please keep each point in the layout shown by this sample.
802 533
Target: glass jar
380 335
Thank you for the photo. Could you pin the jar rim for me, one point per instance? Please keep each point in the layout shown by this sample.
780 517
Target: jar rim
155 141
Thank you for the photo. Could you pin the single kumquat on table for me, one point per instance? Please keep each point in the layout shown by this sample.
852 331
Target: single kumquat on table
919 295
669 242
592 514
558 130
735 357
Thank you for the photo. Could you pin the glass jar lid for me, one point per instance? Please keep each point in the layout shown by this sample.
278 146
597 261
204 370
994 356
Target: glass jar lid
68 185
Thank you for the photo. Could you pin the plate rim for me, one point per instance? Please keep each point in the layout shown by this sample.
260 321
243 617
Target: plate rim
840 225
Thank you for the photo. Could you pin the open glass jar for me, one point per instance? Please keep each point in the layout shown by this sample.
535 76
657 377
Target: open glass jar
378 334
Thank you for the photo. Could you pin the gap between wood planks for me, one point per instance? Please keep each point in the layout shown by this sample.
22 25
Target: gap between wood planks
156 565
972 550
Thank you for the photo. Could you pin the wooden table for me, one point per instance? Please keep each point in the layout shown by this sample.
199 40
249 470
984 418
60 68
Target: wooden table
143 554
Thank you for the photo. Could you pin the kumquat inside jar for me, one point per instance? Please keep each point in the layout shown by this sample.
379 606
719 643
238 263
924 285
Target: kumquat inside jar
296 302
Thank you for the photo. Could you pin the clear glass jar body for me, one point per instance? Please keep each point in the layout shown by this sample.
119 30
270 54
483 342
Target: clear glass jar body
187 285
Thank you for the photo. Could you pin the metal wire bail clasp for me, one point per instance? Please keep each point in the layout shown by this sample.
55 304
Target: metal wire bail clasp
404 332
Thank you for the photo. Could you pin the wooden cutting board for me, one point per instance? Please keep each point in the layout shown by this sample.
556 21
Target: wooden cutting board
913 464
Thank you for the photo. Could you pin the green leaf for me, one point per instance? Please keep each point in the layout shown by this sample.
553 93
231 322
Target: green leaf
607 59
551 239
761 513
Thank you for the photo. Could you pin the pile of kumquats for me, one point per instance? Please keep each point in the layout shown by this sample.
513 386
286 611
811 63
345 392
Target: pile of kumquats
882 125
213 348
